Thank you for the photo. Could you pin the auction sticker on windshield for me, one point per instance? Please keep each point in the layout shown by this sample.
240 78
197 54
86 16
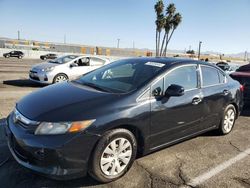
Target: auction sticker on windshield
155 64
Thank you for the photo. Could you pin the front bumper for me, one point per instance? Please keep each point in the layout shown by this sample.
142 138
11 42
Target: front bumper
41 77
59 157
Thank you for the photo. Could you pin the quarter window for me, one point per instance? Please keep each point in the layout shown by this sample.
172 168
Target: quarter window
222 78
210 76
185 76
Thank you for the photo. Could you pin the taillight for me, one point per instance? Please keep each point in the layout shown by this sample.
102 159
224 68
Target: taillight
241 88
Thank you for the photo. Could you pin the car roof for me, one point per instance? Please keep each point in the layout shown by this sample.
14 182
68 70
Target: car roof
171 61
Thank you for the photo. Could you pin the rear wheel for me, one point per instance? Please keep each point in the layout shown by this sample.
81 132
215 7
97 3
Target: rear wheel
7 56
228 120
60 78
113 155
19 57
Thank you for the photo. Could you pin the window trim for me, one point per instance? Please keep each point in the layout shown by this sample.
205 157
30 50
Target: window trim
218 71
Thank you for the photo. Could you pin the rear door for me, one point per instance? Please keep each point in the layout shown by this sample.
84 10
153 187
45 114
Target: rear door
216 94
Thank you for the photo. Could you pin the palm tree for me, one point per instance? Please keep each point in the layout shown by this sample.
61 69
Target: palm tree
159 7
175 22
160 22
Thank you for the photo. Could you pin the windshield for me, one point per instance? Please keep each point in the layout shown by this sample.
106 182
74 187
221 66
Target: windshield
64 59
121 76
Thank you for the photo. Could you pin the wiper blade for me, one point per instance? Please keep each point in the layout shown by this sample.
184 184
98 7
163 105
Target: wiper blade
95 86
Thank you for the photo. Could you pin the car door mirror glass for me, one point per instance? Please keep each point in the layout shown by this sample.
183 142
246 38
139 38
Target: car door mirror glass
174 90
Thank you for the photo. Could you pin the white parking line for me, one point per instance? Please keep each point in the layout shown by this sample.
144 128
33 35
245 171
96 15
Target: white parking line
207 175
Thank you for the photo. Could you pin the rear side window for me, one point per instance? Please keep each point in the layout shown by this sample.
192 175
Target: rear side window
210 76
185 76
222 78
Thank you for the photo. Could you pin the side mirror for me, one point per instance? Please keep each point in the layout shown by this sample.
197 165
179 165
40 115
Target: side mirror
174 91
73 65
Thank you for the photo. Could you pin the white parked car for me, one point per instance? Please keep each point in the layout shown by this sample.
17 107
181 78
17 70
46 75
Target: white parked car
64 68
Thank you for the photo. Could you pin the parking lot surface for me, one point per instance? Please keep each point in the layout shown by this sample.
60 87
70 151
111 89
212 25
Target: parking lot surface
208 160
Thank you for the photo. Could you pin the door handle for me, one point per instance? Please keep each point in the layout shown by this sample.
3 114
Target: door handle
225 92
196 100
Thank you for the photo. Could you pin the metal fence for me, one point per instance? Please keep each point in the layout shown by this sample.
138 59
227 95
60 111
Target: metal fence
71 48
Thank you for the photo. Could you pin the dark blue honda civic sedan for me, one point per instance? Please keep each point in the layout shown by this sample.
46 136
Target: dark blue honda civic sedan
100 123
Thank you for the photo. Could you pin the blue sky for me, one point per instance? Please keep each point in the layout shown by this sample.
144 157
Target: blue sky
222 25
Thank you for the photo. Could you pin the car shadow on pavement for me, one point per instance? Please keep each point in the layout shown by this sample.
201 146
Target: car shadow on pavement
22 83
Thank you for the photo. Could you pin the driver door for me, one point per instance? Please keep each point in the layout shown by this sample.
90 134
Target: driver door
173 118
79 67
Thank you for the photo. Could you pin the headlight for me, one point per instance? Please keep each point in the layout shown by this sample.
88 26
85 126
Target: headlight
48 69
49 128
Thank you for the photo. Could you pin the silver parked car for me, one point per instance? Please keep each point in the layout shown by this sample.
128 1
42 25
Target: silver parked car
65 68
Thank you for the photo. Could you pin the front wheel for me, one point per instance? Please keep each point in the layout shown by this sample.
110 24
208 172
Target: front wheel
228 120
60 78
113 155
7 56
19 57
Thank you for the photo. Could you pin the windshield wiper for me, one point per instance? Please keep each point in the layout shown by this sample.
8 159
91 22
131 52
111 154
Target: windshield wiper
95 86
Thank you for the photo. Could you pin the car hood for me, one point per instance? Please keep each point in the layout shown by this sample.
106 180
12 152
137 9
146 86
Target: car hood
66 101
43 65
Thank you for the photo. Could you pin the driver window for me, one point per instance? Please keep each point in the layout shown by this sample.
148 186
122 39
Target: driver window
185 76
83 61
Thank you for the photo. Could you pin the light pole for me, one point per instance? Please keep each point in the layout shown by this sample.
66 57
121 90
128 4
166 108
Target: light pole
64 39
18 35
118 43
199 51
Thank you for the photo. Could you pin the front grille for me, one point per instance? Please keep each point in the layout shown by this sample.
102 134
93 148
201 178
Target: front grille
33 71
19 151
34 78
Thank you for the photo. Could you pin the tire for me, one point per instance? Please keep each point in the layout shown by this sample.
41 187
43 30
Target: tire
60 78
228 120
44 58
7 56
19 57
106 161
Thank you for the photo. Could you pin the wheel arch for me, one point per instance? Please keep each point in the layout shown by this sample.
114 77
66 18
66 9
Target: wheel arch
236 108
139 136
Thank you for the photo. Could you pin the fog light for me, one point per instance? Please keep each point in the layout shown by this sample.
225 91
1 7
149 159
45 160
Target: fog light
45 78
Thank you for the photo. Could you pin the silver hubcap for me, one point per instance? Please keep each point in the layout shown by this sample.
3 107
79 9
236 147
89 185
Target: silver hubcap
60 78
116 157
229 120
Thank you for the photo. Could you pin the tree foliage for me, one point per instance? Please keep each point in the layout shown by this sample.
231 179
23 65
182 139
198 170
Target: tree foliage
168 21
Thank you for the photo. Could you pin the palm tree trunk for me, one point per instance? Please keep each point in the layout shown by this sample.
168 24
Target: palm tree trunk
163 42
166 46
159 39
156 43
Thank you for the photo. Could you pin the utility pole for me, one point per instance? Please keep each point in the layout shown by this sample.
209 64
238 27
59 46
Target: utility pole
18 35
199 51
118 43
245 57
64 39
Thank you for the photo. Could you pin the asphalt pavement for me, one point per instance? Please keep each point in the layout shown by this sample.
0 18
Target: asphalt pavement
208 160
